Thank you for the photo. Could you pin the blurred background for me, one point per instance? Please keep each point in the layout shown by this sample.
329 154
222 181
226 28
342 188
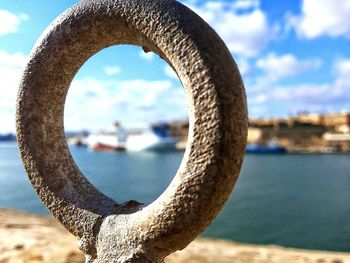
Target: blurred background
126 117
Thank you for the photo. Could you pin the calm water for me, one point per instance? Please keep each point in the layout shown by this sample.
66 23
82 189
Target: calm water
290 200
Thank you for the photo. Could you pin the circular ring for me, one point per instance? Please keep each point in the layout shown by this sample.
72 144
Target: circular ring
217 113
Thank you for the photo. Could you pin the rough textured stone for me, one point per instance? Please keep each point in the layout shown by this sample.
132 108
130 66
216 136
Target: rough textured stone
109 231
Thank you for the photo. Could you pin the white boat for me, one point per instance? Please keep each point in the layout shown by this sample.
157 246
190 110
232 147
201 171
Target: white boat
153 138
105 142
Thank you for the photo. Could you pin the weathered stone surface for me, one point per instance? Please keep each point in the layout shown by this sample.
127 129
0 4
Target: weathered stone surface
25 238
108 231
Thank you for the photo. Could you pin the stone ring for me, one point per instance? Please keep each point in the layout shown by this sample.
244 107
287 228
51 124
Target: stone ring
131 232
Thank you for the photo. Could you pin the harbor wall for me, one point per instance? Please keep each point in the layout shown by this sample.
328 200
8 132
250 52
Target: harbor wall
300 133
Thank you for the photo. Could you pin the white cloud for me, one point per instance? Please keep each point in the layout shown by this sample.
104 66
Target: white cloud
12 61
243 66
332 96
305 93
142 93
95 104
112 70
245 33
11 67
170 72
277 67
246 4
322 17
24 17
9 22
258 99
293 98
147 56
341 68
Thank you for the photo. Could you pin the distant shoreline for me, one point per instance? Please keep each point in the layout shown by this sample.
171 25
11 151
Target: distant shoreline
288 152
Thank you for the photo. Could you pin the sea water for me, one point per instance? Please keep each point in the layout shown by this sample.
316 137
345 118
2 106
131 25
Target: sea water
290 200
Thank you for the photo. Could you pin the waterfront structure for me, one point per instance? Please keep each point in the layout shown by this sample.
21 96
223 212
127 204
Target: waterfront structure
338 122
337 142
300 133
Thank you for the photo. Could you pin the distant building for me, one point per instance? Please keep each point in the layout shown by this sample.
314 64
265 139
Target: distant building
254 135
303 132
315 119
338 142
337 122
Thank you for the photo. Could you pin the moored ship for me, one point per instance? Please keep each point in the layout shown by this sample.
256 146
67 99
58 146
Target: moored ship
156 137
271 148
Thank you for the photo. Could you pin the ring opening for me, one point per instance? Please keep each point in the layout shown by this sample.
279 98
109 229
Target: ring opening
126 123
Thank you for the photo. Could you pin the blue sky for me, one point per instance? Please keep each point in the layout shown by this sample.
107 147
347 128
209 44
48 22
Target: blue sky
293 55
